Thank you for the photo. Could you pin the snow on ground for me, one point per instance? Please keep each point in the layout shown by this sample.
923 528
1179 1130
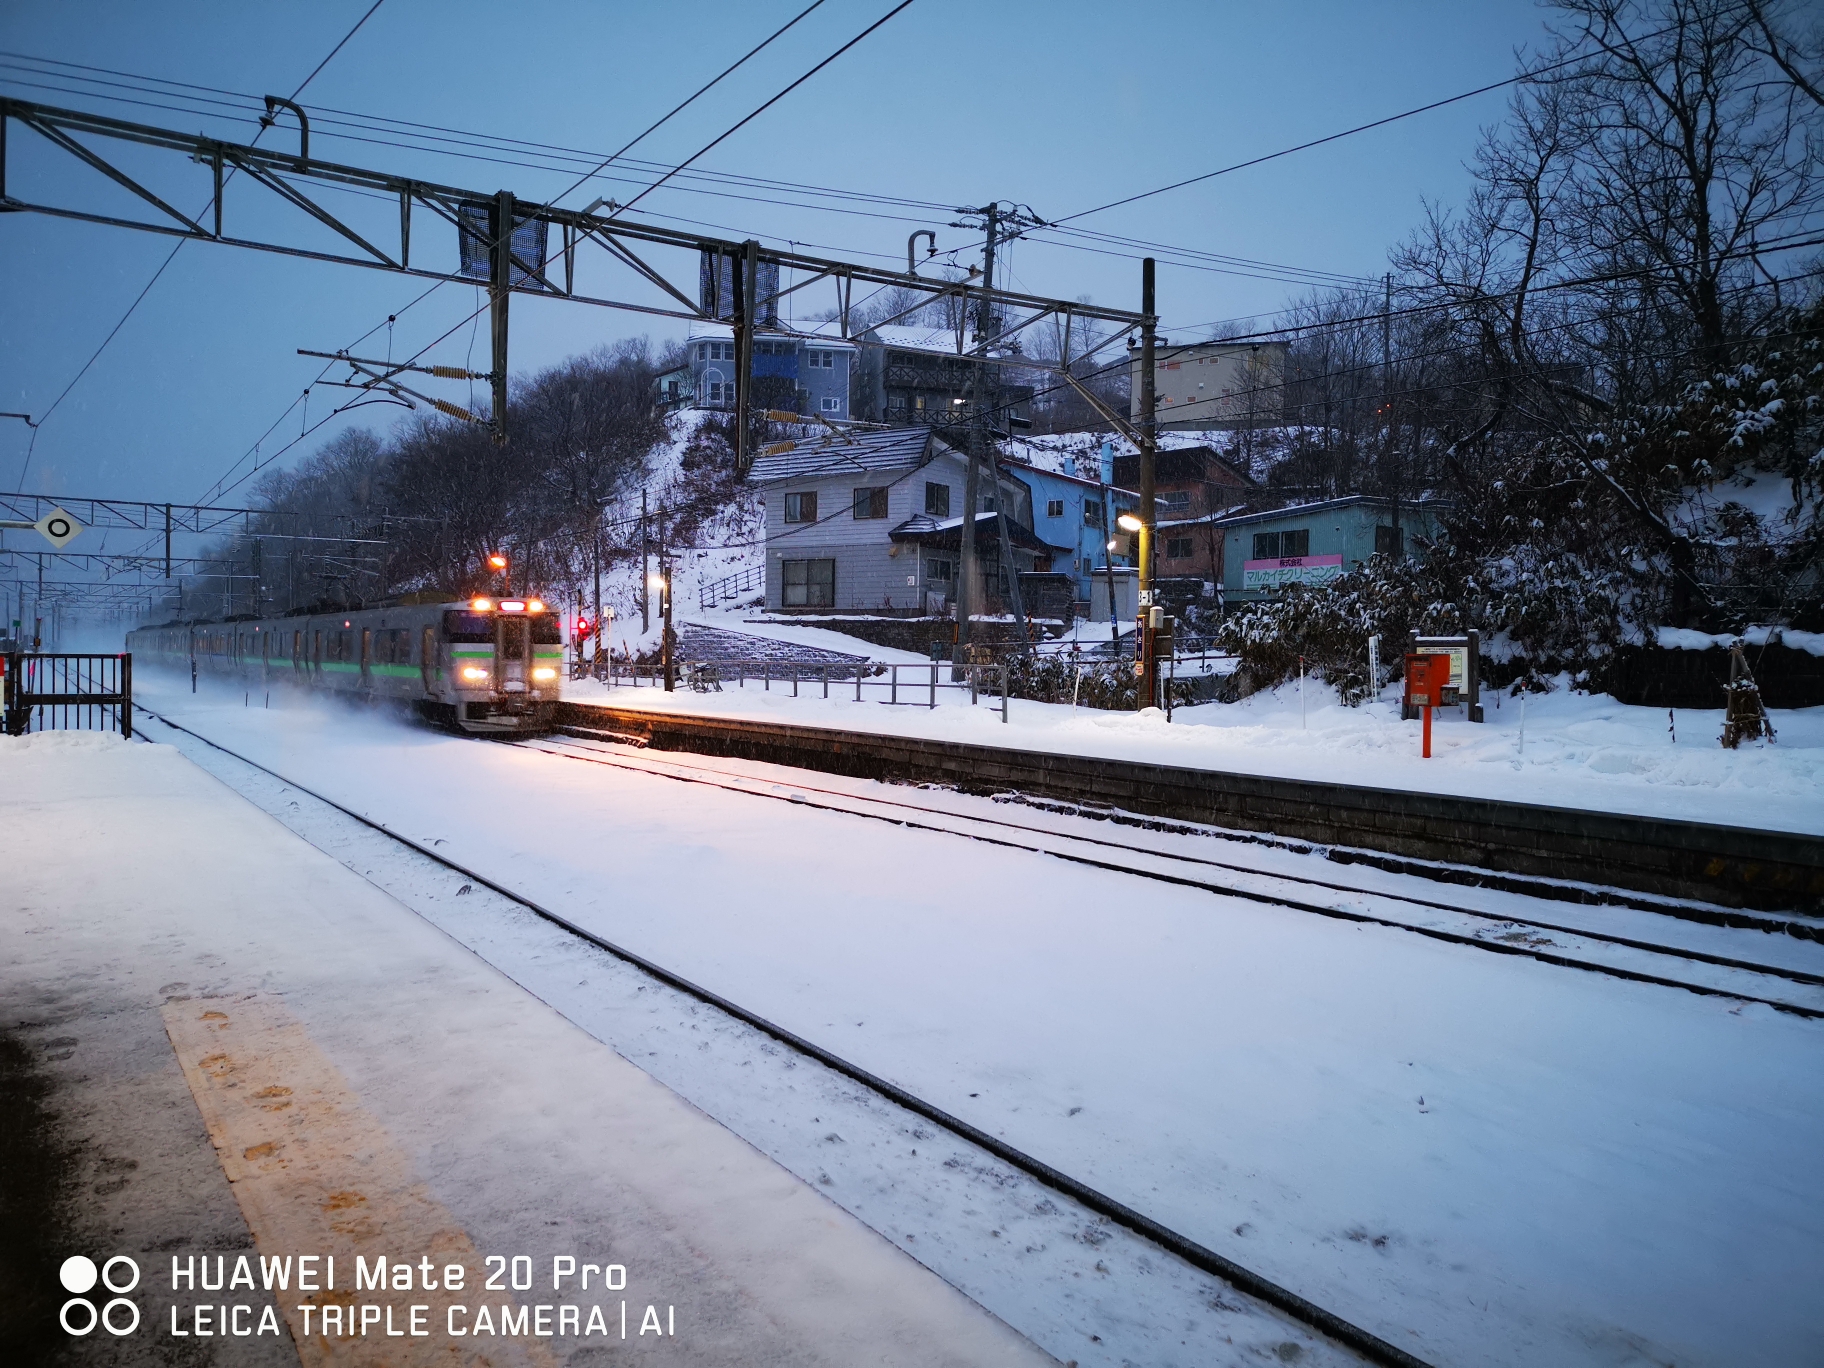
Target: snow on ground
1486 1160
1581 750
538 1140
1083 1288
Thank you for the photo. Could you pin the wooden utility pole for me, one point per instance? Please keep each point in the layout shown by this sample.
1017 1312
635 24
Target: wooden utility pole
969 599
645 571
1147 696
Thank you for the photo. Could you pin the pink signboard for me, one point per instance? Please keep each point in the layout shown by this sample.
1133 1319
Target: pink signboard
1271 573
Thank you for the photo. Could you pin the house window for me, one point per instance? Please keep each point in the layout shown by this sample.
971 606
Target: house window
1175 501
1092 512
820 360
702 351
808 583
1177 548
801 508
1282 545
1387 541
832 404
871 503
1054 508
939 571
937 500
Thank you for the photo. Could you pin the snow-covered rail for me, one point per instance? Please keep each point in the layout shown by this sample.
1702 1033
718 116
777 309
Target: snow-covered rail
1503 925
1327 1323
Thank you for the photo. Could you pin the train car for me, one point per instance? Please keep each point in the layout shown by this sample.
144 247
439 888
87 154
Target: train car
484 665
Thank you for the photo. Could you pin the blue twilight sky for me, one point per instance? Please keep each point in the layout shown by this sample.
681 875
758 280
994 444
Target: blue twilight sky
1061 106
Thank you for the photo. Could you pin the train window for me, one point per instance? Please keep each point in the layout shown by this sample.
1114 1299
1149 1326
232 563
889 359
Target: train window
463 626
545 630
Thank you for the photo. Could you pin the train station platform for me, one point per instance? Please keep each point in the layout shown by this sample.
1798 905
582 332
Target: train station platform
248 1081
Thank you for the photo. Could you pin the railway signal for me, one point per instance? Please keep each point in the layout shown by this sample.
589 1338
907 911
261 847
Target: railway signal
56 527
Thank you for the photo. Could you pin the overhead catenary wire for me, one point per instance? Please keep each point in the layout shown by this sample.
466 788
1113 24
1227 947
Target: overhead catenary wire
393 317
935 213
719 138
31 447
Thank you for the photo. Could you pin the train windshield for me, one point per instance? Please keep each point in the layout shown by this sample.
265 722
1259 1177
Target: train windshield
459 625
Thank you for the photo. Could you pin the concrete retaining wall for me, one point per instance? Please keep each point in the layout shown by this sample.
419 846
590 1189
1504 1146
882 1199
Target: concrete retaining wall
1732 866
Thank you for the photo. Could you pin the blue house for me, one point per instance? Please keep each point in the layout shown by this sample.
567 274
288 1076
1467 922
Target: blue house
808 375
1314 543
1068 511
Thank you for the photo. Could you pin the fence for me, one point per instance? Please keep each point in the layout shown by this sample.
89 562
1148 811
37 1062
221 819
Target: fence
913 685
67 692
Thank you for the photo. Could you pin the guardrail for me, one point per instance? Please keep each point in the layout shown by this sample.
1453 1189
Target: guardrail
902 685
731 586
66 692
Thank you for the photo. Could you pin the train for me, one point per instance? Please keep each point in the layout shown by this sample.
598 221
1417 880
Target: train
486 665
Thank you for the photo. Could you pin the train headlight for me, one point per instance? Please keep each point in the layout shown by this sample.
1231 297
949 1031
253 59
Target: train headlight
475 672
544 672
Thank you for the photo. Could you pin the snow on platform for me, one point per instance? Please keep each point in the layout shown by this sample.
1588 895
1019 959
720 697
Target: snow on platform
1581 750
1487 1160
374 1089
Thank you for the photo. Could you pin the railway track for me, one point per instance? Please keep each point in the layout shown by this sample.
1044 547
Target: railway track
1325 1322
1506 932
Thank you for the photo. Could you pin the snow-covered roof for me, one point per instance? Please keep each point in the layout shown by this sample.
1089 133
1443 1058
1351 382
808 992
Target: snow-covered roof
843 453
1325 505
703 330
922 527
921 339
1016 468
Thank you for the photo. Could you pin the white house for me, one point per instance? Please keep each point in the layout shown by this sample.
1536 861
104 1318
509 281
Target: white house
871 522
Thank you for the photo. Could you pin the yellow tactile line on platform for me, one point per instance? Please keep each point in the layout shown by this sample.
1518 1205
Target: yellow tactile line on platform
315 1173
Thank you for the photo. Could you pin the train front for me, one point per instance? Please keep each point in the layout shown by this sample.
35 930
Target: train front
505 661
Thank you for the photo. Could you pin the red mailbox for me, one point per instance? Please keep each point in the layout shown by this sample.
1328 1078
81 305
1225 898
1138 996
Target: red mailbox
1427 687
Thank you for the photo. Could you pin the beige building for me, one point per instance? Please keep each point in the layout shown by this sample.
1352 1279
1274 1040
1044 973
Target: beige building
1216 384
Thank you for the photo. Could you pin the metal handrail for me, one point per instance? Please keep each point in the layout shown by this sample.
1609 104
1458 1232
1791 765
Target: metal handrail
731 586
922 679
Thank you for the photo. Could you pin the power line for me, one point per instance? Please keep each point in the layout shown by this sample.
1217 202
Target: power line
733 128
743 122
676 109
702 181
25 469
1333 137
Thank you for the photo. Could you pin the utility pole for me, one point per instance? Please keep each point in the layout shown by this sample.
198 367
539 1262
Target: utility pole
645 571
1150 616
1387 455
597 618
745 277
668 642
500 289
969 601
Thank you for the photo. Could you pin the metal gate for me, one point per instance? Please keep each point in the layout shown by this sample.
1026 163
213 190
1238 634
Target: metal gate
67 692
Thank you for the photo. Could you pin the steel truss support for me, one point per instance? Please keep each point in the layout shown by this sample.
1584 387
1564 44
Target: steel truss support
73 132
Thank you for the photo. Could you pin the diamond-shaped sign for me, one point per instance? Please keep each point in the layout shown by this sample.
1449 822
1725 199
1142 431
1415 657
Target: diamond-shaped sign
58 528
